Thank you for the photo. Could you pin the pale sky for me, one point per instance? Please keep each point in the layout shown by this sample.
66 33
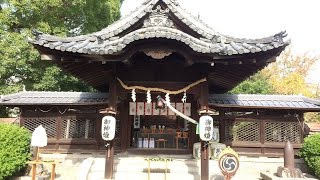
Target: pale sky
257 19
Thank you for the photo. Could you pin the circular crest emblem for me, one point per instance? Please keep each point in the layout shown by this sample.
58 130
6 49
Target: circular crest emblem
228 162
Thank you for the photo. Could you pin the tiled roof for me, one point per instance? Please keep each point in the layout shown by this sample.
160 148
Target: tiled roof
264 101
54 98
111 40
217 100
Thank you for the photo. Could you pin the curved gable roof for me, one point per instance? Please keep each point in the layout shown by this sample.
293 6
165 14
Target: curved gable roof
157 19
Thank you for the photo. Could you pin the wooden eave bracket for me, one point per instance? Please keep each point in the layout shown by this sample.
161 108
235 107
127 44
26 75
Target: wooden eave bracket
108 111
206 111
48 57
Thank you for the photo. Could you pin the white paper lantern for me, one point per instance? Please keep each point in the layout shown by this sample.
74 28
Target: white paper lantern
108 128
206 128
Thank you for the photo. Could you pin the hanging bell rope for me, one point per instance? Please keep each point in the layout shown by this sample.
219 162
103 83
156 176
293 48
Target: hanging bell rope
160 89
181 114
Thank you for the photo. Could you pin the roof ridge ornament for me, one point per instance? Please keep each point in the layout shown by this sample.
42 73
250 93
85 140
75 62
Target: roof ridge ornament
37 34
158 17
279 37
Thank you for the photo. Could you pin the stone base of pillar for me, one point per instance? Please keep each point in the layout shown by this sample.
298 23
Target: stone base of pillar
289 173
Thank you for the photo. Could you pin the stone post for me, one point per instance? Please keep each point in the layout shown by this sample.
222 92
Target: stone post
288 156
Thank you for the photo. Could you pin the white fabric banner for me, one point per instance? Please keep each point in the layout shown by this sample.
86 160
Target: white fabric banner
170 111
143 108
148 110
132 108
155 111
140 110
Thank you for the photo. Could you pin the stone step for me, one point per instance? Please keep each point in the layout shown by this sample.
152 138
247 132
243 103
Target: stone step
142 176
156 176
140 164
137 168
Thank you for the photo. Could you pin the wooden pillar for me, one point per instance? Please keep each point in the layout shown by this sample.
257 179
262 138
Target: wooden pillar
59 131
108 173
204 161
204 96
21 120
192 127
262 135
302 131
124 121
98 131
204 105
222 127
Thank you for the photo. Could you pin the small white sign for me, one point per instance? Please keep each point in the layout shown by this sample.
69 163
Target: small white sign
206 128
136 122
108 128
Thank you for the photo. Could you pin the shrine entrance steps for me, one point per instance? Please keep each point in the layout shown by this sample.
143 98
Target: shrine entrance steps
90 166
136 168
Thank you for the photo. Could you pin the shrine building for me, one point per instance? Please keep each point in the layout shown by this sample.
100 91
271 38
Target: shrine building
161 50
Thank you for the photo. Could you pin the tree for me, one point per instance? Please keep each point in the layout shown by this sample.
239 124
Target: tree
20 63
256 84
285 76
288 74
104 9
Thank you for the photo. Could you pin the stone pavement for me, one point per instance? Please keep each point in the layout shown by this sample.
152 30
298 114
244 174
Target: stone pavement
91 167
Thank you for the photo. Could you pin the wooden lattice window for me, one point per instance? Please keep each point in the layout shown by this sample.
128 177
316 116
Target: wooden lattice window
49 123
81 128
243 131
282 132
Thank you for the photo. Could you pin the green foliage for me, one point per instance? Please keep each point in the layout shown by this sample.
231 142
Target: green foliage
14 149
3 112
60 17
20 63
257 84
54 79
311 153
106 10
